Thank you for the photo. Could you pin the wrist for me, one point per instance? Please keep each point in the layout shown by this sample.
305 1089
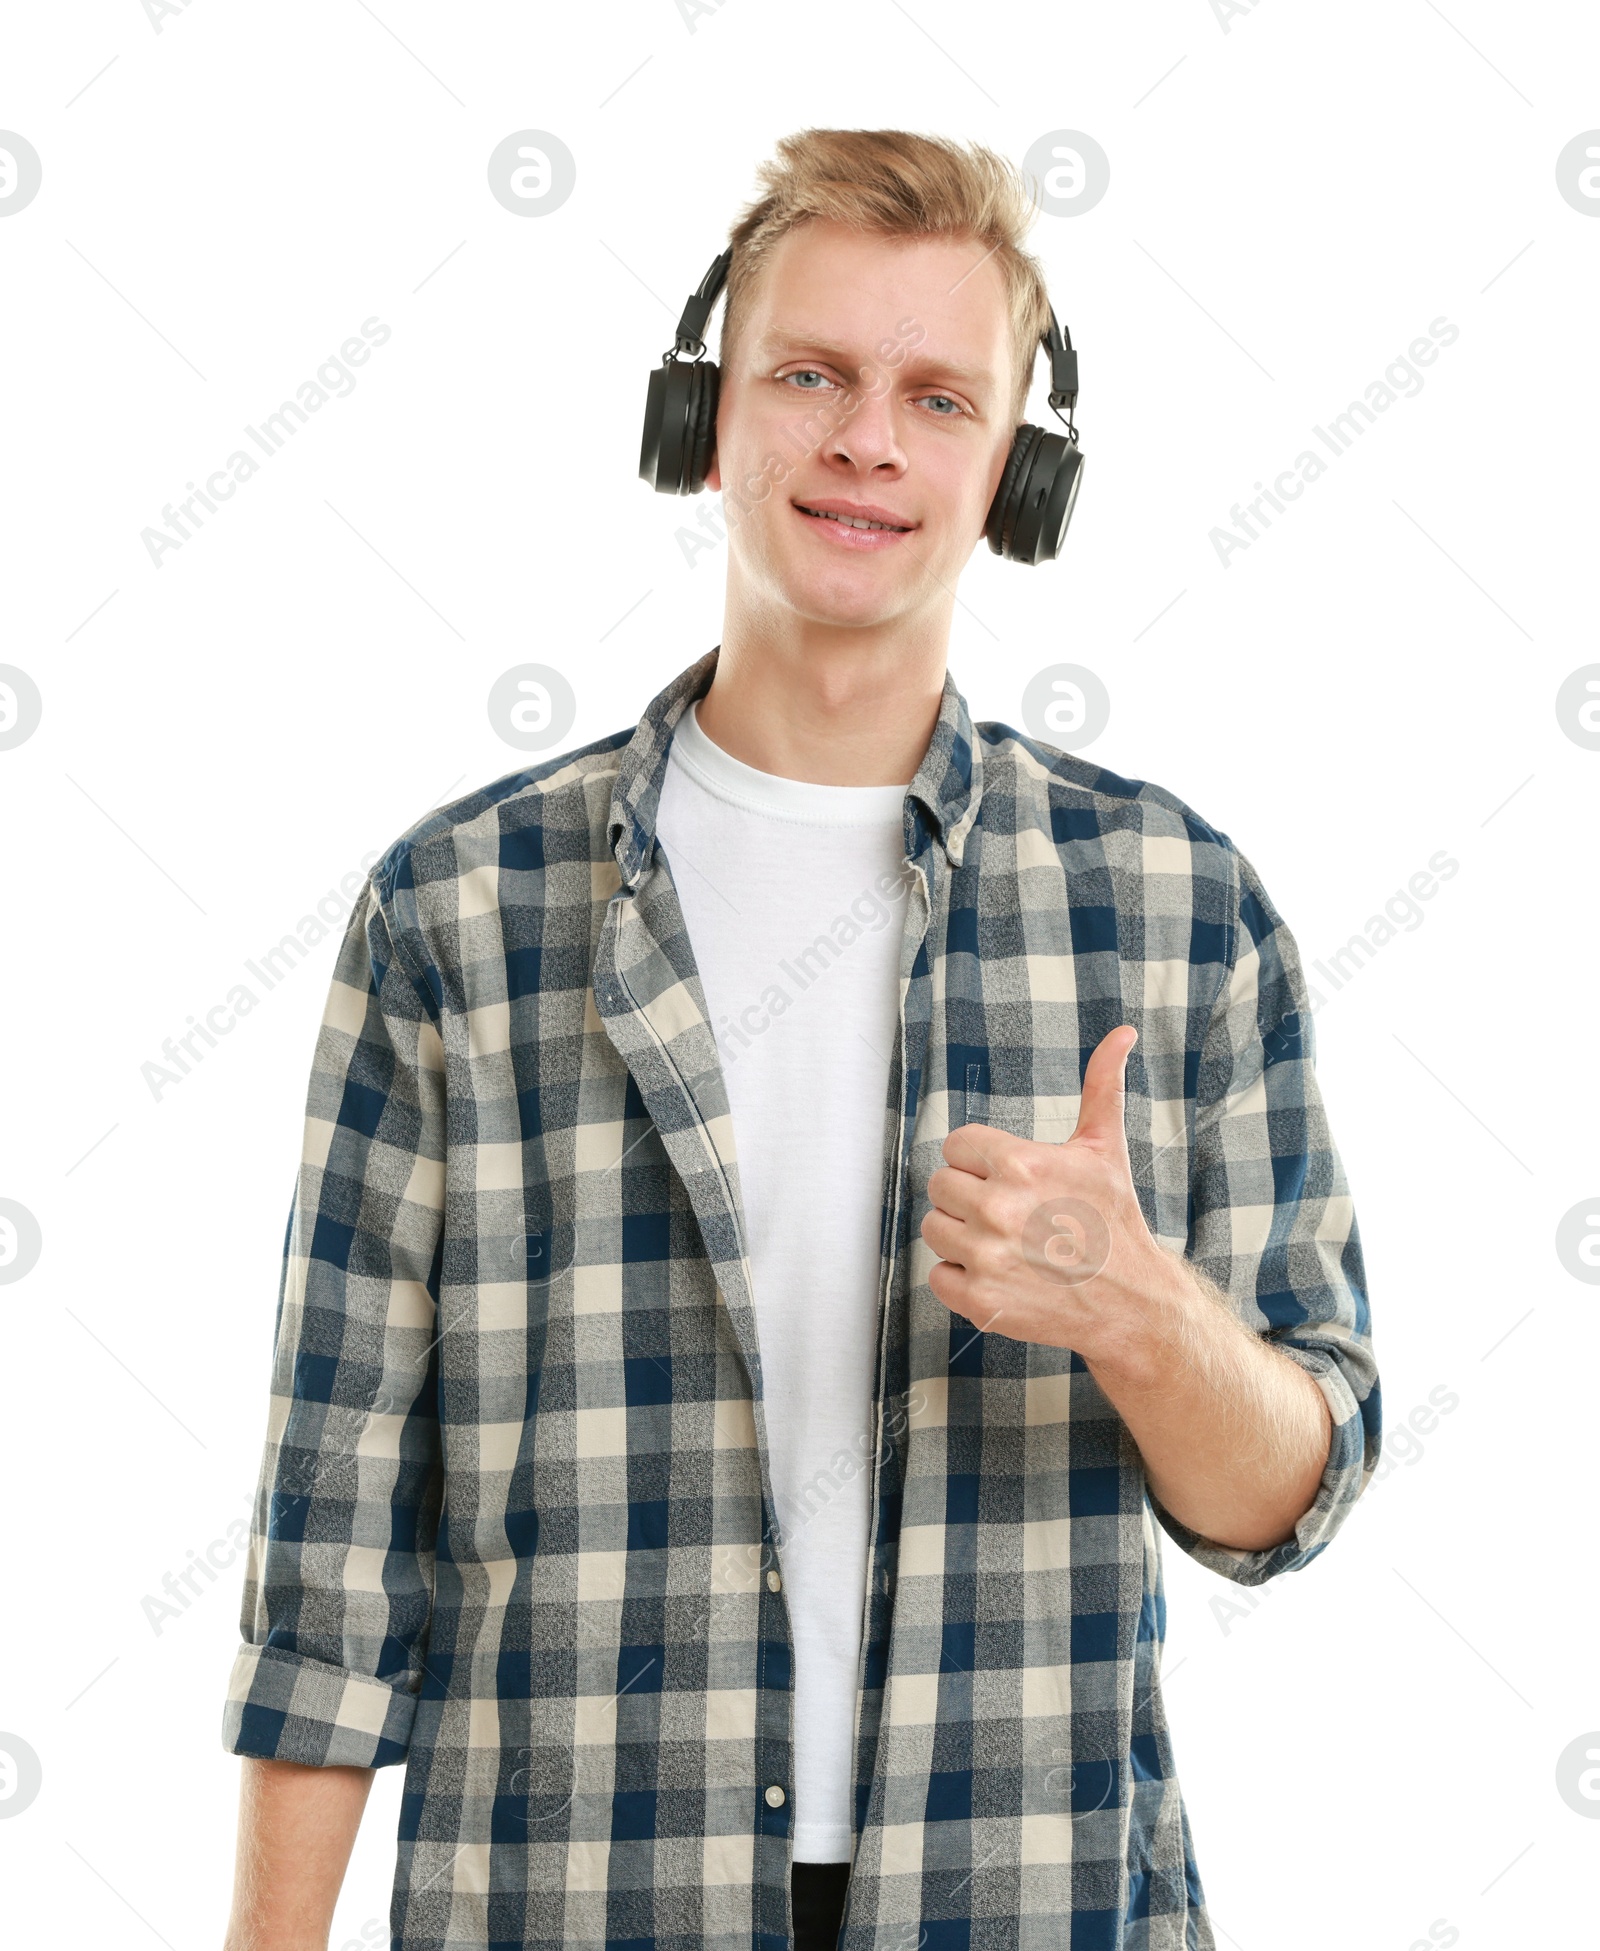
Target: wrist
1152 1330
256 1938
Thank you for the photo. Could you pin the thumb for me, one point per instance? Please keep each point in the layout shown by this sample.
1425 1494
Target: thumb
1100 1110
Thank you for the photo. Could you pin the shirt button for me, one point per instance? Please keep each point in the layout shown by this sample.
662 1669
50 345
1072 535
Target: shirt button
773 1581
775 1797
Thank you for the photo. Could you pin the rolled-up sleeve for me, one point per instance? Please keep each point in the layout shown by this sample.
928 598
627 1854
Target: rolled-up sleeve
1271 1219
339 1571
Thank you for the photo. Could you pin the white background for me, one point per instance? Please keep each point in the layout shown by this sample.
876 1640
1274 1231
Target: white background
1293 199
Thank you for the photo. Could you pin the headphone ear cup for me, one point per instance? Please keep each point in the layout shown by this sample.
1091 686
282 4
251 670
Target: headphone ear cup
1037 493
1000 518
651 458
680 426
703 430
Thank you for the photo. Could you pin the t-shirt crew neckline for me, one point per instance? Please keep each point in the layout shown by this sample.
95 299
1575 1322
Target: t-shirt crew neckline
800 801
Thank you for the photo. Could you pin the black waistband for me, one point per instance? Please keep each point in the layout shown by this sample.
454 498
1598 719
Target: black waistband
816 1893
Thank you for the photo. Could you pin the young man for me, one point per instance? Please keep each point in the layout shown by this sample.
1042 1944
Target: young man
794 1193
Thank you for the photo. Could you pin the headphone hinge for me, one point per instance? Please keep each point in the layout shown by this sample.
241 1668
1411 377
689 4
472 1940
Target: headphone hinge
697 307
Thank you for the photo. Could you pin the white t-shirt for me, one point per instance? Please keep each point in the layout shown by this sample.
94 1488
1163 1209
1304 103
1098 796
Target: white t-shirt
794 902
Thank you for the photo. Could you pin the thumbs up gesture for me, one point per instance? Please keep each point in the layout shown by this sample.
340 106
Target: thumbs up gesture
1047 1243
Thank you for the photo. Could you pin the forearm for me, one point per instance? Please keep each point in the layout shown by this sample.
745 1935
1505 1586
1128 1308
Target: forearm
1234 1434
297 1826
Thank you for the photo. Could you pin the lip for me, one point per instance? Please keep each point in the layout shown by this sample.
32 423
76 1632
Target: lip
853 538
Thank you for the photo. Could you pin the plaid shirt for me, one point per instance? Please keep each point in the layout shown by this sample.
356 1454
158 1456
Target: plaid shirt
515 1521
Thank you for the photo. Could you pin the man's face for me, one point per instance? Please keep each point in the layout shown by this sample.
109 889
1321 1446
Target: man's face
871 371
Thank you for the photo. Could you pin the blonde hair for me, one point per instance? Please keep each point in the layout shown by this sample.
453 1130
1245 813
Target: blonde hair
895 184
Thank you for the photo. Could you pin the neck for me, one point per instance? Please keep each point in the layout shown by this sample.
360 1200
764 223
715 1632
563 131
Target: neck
836 707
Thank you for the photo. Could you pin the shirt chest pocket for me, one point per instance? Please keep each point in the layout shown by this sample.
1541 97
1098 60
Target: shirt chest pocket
1001 1110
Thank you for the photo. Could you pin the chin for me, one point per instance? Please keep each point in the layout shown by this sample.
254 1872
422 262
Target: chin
848 609
867 591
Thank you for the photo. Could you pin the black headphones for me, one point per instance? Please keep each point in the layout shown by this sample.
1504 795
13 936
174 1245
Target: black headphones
1027 520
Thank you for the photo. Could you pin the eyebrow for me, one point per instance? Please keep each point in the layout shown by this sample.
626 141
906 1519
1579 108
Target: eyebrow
771 342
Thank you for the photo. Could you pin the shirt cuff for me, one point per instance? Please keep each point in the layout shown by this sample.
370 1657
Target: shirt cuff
283 1706
1344 1477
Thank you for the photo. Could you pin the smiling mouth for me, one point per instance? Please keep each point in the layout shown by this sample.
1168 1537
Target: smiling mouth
852 521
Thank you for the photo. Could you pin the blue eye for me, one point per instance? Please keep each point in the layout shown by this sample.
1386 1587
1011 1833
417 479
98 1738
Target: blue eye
956 412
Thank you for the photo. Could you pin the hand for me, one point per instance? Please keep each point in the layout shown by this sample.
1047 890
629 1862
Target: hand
1047 1243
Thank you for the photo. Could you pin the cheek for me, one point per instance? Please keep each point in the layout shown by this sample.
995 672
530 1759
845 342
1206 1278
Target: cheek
740 436
997 468
963 484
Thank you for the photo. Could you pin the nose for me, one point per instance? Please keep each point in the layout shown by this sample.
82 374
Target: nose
869 439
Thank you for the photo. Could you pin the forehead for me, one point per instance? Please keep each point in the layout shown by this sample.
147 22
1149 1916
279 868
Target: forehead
826 283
